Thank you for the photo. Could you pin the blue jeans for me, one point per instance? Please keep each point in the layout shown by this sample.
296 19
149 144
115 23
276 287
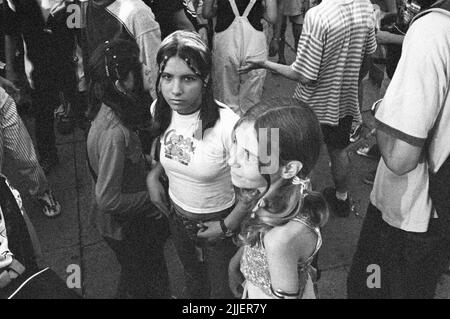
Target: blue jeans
205 264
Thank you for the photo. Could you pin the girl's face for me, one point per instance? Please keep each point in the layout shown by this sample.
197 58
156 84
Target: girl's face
244 159
181 87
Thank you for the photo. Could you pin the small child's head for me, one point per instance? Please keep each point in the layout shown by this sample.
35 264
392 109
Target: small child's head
276 145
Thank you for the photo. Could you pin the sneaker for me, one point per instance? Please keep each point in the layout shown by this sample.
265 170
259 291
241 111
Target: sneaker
370 177
355 133
50 206
340 208
49 162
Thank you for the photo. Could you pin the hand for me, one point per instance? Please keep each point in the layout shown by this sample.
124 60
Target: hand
211 231
9 86
252 64
274 47
235 280
157 194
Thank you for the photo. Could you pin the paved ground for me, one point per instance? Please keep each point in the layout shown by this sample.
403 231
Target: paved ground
70 240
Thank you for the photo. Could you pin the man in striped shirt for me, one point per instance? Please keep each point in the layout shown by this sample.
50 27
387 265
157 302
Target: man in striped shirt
16 146
336 36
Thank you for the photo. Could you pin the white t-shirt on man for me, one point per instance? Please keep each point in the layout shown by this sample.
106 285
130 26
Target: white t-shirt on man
417 105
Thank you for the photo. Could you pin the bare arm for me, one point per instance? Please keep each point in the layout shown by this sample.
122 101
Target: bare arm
385 37
284 70
209 9
400 156
285 246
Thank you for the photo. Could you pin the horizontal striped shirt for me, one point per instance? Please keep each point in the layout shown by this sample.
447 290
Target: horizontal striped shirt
336 35
16 146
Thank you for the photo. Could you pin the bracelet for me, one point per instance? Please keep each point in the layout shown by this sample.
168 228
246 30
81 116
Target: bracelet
277 39
280 294
225 230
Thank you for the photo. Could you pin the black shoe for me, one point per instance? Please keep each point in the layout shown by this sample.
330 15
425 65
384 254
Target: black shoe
48 163
340 208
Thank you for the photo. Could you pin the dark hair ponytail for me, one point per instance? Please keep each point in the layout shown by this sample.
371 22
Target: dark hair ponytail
110 62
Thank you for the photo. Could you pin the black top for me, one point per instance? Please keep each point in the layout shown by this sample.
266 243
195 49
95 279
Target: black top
50 44
164 11
225 15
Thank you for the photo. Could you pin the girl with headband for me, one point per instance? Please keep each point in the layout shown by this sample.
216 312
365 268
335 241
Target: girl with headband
195 140
281 236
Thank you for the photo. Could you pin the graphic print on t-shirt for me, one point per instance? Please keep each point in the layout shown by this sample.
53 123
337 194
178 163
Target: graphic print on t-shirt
178 148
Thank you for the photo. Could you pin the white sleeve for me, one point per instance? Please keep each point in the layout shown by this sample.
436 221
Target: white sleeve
415 96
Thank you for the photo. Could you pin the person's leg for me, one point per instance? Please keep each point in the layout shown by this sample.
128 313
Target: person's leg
44 103
425 256
122 256
156 273
281 42
369 252
337 142
217 259
297 25
195 273
340 168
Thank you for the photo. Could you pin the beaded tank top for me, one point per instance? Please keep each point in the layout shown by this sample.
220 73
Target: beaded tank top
255 267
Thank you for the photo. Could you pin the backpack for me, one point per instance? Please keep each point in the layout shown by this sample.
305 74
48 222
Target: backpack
439 183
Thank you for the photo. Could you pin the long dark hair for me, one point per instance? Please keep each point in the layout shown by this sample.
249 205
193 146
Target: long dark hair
110 62
300 139
189 47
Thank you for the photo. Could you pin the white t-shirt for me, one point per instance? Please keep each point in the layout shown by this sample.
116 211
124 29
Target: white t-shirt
416 103
198 172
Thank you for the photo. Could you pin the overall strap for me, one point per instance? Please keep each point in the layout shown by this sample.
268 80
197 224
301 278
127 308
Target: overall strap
235 8
249 8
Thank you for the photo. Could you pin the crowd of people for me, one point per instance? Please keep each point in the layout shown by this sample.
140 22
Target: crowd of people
180 143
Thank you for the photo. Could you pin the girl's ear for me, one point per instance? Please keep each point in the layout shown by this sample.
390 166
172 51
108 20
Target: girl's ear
291 169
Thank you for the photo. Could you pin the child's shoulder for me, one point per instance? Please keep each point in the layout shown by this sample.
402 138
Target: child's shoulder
292 234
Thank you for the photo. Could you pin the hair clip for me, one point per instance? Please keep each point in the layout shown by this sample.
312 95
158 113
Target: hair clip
305 184
188 62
